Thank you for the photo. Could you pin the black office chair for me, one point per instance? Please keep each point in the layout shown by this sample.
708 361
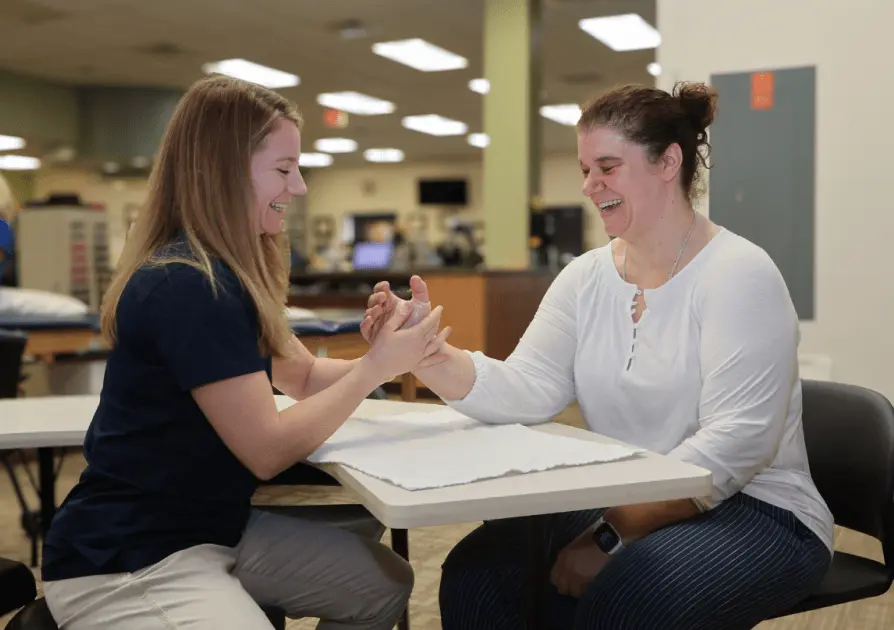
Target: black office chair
850 445
12 347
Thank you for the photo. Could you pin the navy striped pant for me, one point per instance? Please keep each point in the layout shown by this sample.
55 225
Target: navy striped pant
726 569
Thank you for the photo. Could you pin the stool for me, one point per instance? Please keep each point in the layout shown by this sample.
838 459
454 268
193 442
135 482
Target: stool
17 585
36 616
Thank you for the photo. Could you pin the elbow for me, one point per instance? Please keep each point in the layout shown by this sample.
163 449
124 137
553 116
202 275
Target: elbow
265 464
264 471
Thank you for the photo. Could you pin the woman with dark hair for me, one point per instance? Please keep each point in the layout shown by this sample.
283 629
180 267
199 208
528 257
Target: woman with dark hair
679 337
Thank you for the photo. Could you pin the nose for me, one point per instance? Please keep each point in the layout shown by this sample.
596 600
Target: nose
592 184
296 184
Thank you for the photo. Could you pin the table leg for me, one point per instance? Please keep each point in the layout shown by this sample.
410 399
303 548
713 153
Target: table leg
537 571
400 543
408 387
47 480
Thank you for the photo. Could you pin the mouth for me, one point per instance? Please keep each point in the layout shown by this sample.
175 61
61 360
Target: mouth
279 207
608 206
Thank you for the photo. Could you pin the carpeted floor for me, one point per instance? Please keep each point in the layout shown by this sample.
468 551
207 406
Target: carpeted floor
428 547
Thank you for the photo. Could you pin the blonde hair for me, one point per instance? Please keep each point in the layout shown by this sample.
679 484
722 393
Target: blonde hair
201 186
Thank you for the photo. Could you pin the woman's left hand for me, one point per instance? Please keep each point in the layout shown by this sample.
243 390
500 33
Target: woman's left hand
577 565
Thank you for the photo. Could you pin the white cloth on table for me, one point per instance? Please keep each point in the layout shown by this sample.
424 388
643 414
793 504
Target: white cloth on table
423 450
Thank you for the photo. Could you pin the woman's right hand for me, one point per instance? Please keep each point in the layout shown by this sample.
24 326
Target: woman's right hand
396 350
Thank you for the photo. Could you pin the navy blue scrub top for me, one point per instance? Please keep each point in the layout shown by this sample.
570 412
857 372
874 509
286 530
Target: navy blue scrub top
158 477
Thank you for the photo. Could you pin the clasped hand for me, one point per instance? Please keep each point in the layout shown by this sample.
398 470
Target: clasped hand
577 565
403 334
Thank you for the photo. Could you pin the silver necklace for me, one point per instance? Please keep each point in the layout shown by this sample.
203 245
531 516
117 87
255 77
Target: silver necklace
679 254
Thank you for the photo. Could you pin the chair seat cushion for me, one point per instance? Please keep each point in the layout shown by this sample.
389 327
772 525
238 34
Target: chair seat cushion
849 578
34 616
17 585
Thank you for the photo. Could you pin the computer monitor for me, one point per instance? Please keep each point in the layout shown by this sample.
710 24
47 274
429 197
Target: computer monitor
371 255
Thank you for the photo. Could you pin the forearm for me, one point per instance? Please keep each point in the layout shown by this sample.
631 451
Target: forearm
305 426
325 372
634 522
452 378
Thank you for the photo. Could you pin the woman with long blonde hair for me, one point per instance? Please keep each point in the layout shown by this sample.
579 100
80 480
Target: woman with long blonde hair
159 531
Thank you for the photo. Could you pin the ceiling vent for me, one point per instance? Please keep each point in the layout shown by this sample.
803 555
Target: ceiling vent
582 78
28 13
161 49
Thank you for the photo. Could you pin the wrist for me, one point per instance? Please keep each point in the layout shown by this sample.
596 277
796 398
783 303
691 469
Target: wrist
606 537
369 372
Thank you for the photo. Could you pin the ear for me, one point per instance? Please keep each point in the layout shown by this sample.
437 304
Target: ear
671 162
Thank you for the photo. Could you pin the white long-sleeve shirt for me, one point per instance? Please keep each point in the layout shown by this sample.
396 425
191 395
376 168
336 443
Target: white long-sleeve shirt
709 374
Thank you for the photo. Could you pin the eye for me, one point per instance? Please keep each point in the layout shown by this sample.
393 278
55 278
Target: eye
606 170
283 171
585 171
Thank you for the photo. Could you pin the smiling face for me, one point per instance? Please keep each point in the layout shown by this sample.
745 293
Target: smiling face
630 191
275 176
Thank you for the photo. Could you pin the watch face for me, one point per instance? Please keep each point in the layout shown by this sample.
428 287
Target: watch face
605 537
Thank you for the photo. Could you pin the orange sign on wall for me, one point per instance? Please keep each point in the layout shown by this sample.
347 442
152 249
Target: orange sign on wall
762 90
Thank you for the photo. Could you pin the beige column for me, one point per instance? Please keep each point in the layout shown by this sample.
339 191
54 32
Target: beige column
512 62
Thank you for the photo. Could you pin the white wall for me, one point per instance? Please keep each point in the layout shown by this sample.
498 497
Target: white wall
851 46
392 188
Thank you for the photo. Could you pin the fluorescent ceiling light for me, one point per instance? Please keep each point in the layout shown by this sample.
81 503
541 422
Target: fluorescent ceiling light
18 163
419 54
622 32
311 160
435 125
355 103
482 86
566 114
336 145
654 69
479 140
383 155
250 71
11 143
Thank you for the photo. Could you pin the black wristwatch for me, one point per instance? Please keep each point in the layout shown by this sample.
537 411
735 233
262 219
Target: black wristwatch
606 537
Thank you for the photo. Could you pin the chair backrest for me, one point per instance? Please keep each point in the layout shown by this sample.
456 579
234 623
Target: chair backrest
849 431
12 345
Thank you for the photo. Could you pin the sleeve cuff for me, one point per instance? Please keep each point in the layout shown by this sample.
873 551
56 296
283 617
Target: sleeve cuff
475 397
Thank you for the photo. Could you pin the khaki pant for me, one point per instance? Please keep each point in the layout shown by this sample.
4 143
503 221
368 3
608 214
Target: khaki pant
307 568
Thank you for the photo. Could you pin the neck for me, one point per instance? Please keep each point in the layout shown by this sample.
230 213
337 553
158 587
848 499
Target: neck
656 250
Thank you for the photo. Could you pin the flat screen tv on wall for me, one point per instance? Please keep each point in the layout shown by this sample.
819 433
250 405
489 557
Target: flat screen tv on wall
443 192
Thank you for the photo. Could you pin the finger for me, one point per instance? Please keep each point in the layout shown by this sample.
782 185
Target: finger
419 289
382 286
400 316
576 588
372 300
366 328
432 320
437 343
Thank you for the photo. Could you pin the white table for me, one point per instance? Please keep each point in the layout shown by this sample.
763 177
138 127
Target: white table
48 422
56 421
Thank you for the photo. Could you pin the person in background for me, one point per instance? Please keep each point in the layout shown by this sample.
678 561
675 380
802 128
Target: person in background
159 531
679 337
8 207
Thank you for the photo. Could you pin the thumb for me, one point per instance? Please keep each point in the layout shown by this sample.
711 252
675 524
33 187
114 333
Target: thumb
419 289
400 315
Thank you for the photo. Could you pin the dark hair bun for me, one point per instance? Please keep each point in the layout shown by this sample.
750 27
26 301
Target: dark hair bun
699 101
